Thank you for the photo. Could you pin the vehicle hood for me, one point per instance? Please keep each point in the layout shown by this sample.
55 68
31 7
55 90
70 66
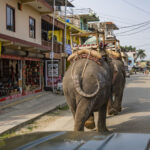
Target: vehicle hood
77 141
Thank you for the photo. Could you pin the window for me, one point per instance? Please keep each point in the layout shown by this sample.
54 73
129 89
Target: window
10 20
31 27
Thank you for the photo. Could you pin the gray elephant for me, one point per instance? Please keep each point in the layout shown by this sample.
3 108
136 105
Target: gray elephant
117 88
87 88
118 84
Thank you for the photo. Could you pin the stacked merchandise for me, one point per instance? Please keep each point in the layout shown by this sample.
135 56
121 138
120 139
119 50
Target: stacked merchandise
9 75
32 75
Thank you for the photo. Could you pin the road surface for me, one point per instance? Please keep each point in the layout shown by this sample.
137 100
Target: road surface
135 116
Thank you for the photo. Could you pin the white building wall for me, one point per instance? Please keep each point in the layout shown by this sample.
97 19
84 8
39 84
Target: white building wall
21 21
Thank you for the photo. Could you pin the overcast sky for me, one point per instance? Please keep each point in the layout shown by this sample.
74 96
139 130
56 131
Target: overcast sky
124 13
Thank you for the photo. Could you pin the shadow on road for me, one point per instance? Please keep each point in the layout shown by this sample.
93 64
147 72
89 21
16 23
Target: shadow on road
136 111
137 124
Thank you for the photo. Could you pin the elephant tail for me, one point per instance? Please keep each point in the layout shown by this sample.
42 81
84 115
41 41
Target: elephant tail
80 91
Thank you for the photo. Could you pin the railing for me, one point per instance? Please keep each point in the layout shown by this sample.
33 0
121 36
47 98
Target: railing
58 48
71 12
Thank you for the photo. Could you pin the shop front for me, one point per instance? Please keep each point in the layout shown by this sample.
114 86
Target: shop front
19 76
10 77
32 75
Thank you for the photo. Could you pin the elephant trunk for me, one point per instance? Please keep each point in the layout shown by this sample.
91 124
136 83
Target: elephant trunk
80 91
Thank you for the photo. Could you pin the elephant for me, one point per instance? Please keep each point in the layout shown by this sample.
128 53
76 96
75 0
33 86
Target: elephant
117 88
87 89
118 84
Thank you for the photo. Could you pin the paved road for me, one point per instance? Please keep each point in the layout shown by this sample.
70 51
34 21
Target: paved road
135 116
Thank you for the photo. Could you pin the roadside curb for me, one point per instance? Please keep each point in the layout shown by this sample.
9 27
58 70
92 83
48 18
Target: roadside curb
32 120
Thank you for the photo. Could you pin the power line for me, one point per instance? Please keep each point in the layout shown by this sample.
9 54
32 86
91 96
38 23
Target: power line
134 25
136 32
141 9
133 29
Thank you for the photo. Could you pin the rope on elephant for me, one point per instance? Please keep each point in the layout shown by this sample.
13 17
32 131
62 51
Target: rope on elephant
113 54
86 64
74 61
93 53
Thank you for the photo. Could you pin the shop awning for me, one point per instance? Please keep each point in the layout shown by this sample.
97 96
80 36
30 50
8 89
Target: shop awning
18 44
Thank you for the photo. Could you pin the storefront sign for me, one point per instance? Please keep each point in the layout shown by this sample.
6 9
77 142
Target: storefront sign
68 49
52 72
51 55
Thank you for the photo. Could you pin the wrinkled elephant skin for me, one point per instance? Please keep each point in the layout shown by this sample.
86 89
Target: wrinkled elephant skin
118 84
78 91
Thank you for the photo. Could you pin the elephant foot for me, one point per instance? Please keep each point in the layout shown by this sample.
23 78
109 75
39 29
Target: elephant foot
90 124
112 111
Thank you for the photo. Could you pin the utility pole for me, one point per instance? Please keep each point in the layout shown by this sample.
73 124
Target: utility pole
52 51
65 33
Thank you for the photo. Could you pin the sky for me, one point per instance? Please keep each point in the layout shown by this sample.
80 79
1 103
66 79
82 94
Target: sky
124 13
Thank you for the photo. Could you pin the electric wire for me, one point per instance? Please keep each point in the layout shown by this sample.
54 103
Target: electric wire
141 9
134 25
136 32
133 29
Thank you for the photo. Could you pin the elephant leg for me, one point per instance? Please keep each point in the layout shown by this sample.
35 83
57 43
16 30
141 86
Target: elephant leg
119 107
102 120
90 124
118 102
72 104
83 112
110 109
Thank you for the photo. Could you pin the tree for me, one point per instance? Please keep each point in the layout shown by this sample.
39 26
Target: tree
128 48
141 54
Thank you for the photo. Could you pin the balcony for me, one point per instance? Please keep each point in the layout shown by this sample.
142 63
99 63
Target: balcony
85 13
40 5
58 47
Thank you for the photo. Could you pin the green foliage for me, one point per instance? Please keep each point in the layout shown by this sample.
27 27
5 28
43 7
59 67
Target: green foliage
7 135
65 107
128 48
139 52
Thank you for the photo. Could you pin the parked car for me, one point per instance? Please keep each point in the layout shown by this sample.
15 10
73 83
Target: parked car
77 141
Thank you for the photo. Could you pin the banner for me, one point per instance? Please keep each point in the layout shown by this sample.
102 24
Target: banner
68 49
48 73
0 48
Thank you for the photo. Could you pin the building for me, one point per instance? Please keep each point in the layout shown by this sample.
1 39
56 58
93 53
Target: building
56 59
131 59
25 45
108 28
53 57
